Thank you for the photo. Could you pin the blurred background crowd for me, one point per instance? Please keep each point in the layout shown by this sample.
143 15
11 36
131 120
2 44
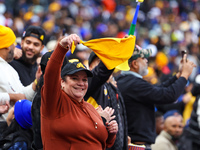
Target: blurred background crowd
165 26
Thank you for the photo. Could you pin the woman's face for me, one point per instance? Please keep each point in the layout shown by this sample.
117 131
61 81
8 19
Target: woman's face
75 85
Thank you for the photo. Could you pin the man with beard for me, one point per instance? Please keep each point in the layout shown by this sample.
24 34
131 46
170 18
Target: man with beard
32 44
167 139
141 96
11 88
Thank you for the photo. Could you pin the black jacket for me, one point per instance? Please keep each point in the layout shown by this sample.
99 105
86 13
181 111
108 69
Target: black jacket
16 137
140 98
25 70
96 85
117 103
190 138
105 94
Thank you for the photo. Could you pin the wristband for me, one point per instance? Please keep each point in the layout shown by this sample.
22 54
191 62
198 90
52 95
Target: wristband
35 81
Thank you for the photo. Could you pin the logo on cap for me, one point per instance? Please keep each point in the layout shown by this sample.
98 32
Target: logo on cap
24 33
80 65
42 37
73 60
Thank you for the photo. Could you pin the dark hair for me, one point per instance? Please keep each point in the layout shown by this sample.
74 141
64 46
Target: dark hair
45 58
63 78
92 57
158 114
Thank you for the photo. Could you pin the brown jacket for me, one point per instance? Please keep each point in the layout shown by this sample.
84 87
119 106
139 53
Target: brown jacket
66 123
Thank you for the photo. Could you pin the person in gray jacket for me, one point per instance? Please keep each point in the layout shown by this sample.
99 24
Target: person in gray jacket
167 139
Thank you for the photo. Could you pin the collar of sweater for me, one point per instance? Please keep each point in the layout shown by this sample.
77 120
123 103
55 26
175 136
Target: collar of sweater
2 60
131 73
166 135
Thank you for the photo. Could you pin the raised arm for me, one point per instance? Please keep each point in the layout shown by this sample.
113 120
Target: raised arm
100 75
52 77
165 95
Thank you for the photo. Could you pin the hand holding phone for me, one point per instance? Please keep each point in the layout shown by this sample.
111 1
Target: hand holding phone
183 52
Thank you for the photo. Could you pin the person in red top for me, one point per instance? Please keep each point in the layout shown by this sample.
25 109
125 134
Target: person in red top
67 121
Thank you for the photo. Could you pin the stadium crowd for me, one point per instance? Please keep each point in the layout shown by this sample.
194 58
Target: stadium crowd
165 27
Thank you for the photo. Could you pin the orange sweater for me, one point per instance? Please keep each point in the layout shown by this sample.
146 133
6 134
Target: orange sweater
66 123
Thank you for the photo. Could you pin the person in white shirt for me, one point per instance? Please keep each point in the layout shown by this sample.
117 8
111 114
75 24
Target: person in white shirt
11 88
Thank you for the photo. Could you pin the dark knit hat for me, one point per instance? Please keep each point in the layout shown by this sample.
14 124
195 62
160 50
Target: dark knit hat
92 57
22 112
45 58
139 52
34 31
73 67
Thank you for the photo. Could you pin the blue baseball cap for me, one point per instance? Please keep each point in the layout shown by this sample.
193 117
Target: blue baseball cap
172 112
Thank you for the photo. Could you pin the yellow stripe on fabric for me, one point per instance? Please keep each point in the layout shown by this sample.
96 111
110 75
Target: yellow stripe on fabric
92 101
188 108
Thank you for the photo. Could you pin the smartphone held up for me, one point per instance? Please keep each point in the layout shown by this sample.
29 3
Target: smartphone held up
183 52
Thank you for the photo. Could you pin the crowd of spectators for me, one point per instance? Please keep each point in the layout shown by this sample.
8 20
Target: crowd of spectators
169 25
165 26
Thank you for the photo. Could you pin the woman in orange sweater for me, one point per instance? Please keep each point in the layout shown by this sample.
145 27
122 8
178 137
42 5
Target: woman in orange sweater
67 121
